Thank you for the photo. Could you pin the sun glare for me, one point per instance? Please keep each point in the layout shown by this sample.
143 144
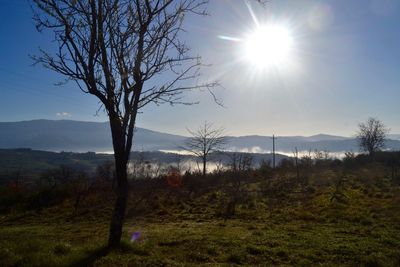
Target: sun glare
268 45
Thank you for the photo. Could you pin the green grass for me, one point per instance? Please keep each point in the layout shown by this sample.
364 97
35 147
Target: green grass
213 243
365 231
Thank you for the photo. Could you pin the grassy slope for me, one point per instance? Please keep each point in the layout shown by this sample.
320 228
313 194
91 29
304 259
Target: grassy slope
366 231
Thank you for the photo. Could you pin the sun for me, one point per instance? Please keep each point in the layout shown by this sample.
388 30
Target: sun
268 45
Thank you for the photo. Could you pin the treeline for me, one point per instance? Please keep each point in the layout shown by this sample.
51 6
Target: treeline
28 164
240 184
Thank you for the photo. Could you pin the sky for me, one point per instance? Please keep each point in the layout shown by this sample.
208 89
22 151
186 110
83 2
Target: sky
344 66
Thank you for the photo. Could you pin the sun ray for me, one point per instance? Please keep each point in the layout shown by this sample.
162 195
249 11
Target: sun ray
252 14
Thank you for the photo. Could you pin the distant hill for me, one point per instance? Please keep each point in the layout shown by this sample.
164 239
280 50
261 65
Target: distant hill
13 160
394 136
78 136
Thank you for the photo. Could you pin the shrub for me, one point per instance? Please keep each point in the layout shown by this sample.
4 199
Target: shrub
62 249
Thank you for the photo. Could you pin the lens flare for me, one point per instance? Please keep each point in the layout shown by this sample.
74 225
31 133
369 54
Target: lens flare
136 236
174 178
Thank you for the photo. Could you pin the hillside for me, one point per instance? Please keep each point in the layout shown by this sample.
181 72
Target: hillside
78 136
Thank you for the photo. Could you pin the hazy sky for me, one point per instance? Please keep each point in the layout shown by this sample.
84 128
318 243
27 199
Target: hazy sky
344 67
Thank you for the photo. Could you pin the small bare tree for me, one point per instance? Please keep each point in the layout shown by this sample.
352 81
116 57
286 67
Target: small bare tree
371 135
241 162
205 140
127 53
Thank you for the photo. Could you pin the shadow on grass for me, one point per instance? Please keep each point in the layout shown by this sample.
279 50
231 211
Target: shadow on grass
90 259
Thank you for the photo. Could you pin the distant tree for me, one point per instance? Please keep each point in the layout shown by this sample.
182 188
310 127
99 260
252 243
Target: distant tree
371 135
240 162
205 140
127 53
81 187
105 174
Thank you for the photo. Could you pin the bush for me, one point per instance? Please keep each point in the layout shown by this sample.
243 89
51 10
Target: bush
62 249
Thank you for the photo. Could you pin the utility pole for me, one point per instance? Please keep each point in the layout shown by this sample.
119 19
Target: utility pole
296 158
273 151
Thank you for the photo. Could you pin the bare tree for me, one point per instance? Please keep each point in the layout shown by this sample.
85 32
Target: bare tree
371 135
241 162
127 53
205 140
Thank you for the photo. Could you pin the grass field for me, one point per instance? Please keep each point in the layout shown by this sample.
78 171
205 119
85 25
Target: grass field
364 231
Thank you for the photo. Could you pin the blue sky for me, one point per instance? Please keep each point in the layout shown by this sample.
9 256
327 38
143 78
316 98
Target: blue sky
345 68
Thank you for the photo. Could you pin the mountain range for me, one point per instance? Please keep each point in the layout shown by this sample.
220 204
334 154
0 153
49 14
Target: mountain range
79 136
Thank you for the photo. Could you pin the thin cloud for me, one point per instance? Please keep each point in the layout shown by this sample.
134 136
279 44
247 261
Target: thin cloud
63 114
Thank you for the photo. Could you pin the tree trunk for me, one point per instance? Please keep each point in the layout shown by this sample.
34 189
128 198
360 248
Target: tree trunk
118 215
121 162
204 165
